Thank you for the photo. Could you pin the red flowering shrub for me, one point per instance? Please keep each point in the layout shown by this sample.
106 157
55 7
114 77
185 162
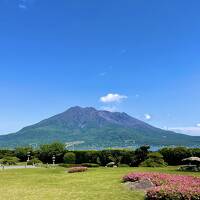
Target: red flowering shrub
168 186
77 169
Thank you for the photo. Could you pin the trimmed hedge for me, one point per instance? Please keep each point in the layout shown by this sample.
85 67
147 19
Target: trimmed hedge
89 165
154 160
69 165
69 158
174 156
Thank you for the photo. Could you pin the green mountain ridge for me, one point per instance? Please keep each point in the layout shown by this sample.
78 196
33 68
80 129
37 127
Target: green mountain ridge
96 129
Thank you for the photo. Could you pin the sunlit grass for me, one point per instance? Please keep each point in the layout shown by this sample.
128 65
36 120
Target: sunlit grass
53 184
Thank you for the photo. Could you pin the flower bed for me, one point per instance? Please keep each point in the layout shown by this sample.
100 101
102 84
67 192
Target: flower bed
77 169
168 186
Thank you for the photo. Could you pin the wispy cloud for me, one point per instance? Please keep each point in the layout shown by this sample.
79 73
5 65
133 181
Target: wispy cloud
22 6
107 70
113 98
193 130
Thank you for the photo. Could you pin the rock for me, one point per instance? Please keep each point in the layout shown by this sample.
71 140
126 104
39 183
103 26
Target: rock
191 168
111 164
140 185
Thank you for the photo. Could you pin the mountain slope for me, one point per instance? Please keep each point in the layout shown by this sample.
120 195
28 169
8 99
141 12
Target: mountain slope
97 129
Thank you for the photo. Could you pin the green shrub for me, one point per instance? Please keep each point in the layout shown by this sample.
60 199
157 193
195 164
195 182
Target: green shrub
140 155
9 160
34 161
104 156
89 165
154 160
6 153
174 156
195 152
22 153
90 156
69 158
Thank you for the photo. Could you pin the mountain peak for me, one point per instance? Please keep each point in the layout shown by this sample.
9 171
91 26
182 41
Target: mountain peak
97 129
79 108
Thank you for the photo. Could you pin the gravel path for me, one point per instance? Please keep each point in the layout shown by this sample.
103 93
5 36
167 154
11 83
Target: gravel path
17 167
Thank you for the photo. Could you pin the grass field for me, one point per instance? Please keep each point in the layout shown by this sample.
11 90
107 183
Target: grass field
56 184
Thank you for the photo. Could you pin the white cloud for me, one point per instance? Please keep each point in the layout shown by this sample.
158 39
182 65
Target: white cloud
194 131
109 108
110 98
147 116
198 125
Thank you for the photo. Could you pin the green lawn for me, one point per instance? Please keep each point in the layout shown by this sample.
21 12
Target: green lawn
56 184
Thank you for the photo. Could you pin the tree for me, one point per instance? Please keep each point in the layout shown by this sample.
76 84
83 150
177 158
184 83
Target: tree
140 155
9 160
6 153
47 151
69 158
154 159
21 153
174 156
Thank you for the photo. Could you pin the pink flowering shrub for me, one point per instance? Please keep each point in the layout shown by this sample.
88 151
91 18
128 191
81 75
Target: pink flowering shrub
168 186
77 169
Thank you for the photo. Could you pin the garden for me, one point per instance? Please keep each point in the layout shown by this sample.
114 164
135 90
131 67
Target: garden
105 174
56 183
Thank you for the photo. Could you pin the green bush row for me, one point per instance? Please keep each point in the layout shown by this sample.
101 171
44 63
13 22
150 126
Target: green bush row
140 156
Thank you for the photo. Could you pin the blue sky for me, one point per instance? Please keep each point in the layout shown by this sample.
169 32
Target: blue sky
136 56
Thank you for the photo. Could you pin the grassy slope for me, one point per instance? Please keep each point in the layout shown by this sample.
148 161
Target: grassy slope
53 184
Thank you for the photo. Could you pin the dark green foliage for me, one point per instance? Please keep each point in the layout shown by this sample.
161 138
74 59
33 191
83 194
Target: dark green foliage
34 161
6 153
127 156
89 165
22 153
115 155
108 156
140 155
105 156
69 165
174 156
195 152
154 160
88 156
9 160
47 151
69 158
